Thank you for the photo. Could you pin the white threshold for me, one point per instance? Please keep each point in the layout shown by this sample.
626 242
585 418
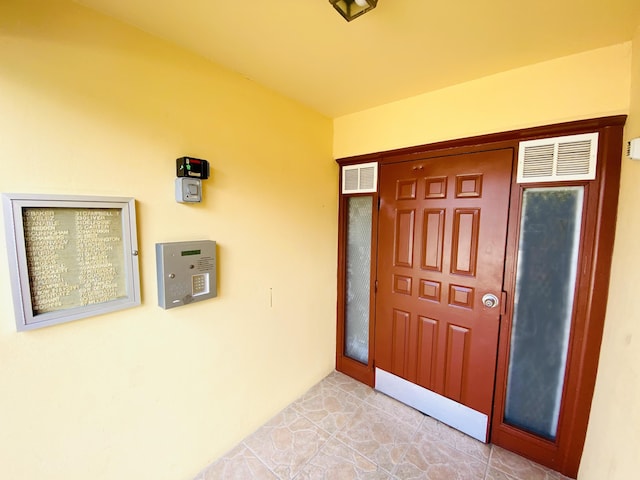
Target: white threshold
448 411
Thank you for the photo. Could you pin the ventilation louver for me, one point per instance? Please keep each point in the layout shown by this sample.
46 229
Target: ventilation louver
558 159
361 178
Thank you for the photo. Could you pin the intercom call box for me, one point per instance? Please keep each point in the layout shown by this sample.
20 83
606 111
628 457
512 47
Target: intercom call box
186 272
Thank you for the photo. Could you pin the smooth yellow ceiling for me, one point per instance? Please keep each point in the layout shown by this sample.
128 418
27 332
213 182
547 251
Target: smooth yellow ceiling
306 51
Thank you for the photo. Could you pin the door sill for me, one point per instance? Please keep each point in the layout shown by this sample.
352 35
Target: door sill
448 411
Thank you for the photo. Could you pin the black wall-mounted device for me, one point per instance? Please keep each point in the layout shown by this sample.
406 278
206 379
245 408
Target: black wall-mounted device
192 167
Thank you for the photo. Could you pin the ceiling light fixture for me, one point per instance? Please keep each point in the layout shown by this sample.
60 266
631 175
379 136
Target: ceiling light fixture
351 9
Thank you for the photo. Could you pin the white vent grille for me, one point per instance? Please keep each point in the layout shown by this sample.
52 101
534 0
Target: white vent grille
361 178
558 159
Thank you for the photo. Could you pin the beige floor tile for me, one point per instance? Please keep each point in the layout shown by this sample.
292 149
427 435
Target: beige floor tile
374 438
438 432
349 385
328 406
519 467
400 411
287 442
336 461
239 464
426 459
493 474
378 436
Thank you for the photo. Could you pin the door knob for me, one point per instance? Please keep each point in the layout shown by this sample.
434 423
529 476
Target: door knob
489 300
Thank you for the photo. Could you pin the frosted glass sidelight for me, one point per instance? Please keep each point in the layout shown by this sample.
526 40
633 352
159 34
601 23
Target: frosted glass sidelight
359 213
543 307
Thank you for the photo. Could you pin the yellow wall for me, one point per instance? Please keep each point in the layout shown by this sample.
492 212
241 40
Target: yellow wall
89 106
592 84
612 450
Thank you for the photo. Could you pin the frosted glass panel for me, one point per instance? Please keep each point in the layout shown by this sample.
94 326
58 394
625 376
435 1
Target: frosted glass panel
545 284
359 211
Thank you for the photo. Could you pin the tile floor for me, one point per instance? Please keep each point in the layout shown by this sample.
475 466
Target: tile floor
342 430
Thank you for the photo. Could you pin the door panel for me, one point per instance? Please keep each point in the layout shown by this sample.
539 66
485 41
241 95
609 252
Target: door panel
442 233
427 343
457 346
433 239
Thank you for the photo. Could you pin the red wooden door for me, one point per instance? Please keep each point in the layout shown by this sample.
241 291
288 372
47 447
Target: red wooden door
442 237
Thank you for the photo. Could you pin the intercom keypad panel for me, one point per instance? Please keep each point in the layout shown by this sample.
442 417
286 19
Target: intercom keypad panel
186 272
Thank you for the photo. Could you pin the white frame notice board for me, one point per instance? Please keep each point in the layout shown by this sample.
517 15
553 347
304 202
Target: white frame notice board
70 257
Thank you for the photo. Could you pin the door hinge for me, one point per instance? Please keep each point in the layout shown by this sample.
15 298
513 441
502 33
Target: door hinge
375 286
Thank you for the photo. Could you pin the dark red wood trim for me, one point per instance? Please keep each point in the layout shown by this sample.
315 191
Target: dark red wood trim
359 371
601 198
586 365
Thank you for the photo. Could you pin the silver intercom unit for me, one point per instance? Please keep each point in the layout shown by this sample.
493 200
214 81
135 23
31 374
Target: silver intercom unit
186 272
188 190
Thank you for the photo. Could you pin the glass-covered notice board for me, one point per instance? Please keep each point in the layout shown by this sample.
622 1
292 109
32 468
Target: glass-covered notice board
70 257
